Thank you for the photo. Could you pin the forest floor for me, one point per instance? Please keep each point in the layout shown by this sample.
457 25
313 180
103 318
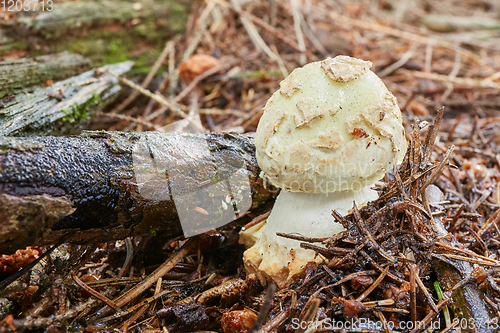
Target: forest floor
430 55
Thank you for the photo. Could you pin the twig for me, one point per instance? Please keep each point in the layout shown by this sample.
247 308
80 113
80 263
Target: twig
147 80
273 324
257 39
380 269
329 252
404 59
158 98
128 259
471 260
202 27
303 238
384 302
349 256
465 251
265 308
113 282
287 40
453 74
310 35
413 292
94 293
430 315
493 219
428 56
462 81
381 316
430 138
134 120
364 230
133 308
256 221
30 323
348 277
153 277
454 127
171 78
426 292
298 30
309 312
142 310
374 285
200 77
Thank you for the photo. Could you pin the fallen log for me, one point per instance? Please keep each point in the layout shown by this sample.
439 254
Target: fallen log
55 20
63 108
19 75
105 31
111 185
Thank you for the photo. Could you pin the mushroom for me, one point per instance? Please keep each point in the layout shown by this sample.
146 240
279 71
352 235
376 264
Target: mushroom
325 137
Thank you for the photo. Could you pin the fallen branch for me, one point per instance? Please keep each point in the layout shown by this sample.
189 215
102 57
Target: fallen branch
18 75
63 108
112 185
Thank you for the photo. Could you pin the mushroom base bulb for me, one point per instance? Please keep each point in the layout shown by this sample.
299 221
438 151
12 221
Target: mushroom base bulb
279 259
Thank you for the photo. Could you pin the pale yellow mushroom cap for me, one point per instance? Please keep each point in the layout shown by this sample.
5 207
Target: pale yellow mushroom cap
331 126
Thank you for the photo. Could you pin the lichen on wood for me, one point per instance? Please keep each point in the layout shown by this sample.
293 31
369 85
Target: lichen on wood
63 108
19 75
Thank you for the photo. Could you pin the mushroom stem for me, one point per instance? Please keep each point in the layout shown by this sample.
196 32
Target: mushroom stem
309 214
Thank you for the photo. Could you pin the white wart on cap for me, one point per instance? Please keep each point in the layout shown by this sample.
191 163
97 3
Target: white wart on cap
331 126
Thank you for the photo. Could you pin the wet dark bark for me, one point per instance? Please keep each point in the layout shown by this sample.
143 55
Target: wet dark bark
110 185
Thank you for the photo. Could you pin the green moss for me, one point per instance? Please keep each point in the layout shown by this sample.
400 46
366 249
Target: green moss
153 231
18 45
141 43
81 111
215 178
107 42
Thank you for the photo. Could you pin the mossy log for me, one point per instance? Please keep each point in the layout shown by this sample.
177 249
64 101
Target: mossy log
19 75
55 20
110 185
63 108
104 31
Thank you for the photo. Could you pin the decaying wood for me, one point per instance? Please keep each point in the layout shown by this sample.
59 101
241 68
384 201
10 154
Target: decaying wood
468 300
18 75
63 108
111 185
55 22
